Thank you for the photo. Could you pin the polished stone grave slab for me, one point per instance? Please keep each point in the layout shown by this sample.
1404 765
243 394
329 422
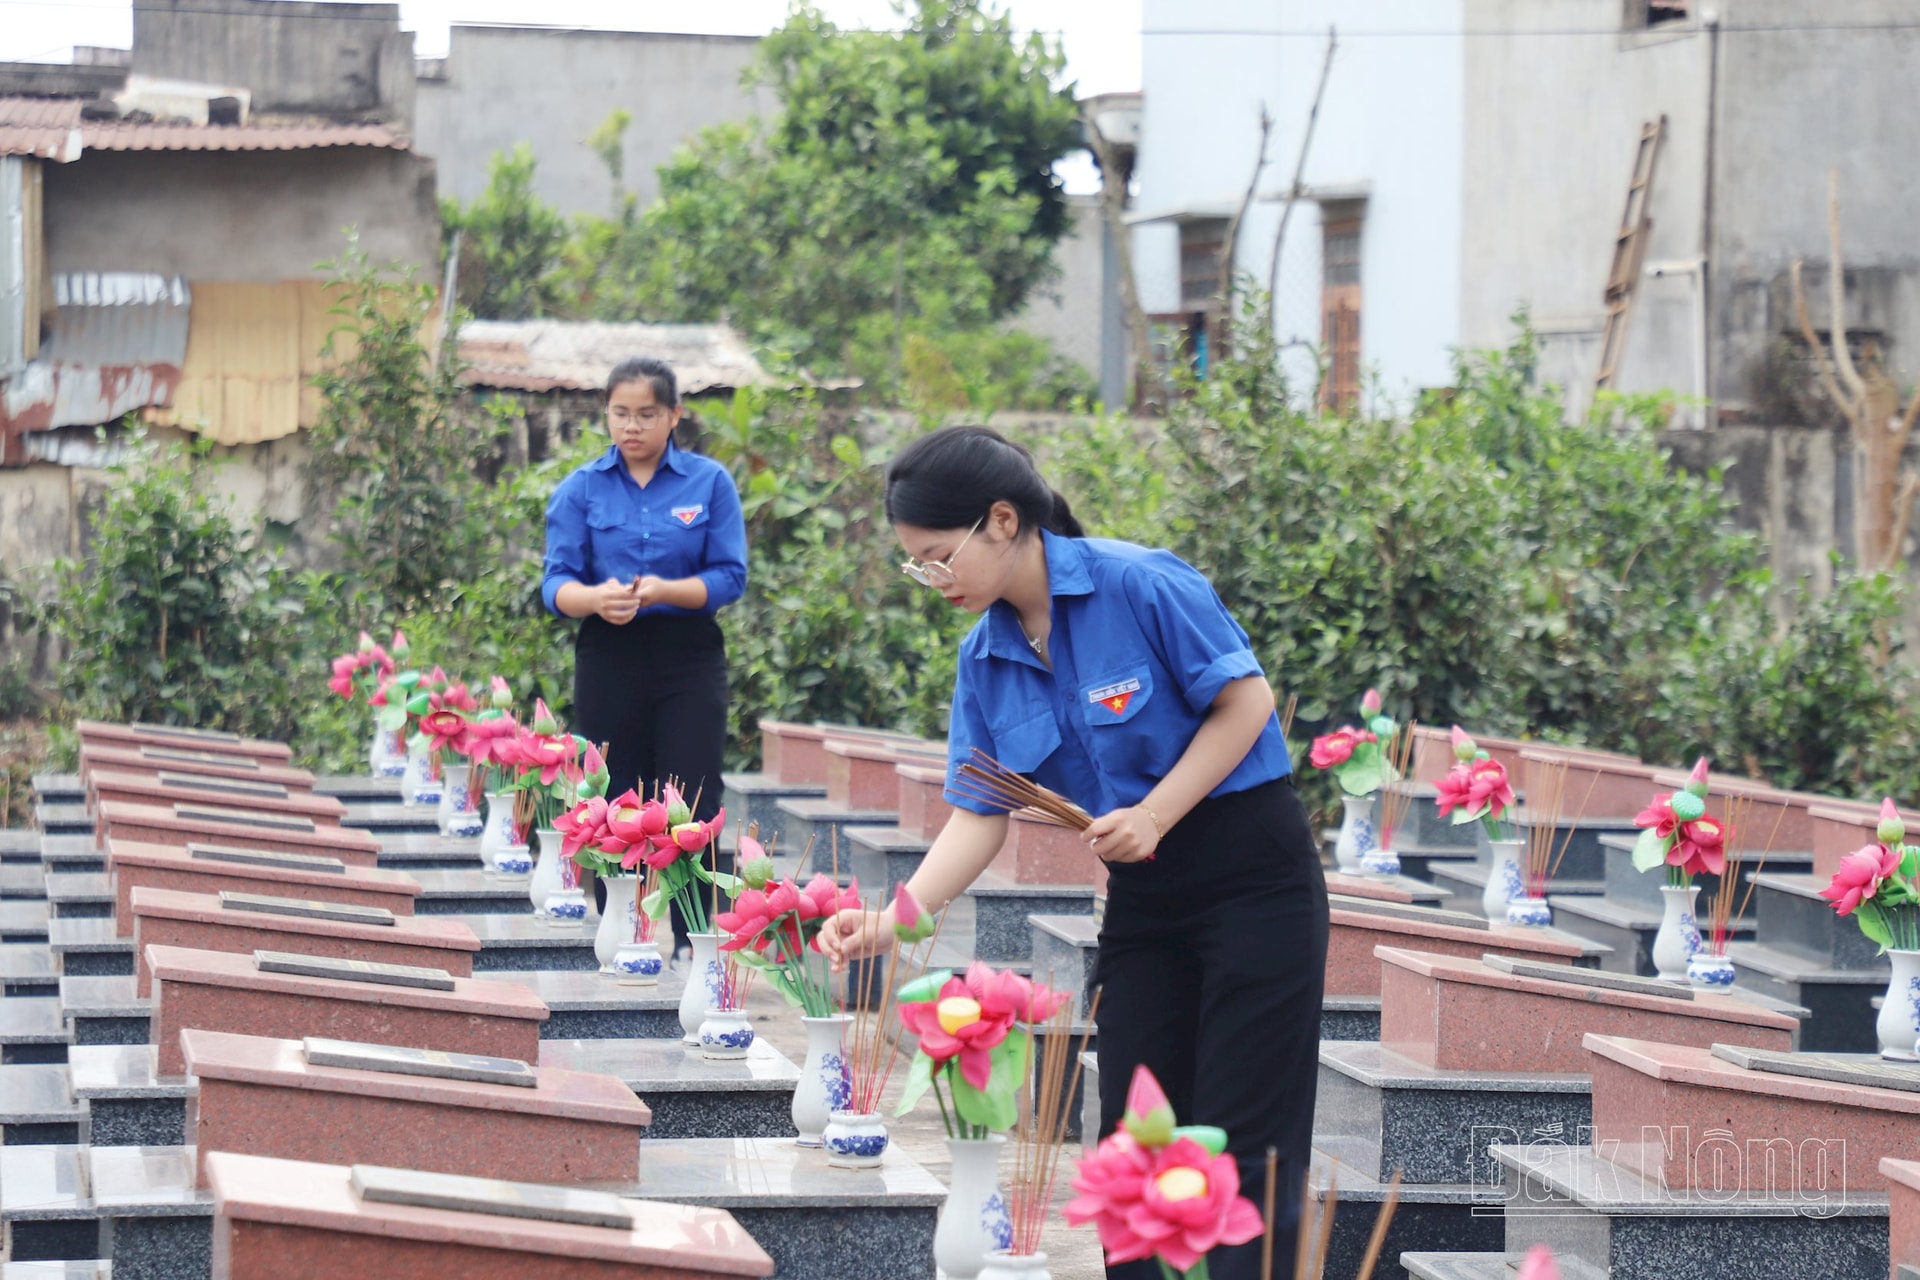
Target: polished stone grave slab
1454 1216
755 798
1038 852
129 1102
24 922
78 895
594 1006
465 893
1379 1111
1419 913
28 969
106 1010
1458 1013
385 818
1467 881
261 1095
59 788
690 1096
284 1220
65 819
37 1106
1065 956
1868 1069
862 774
224 922
90 946
180 785
821 825
1353 968
1350 1018
1400 888
20 883
412 850
884 858
1838 827
207 741
1602 1215
794 754
152 759
138 865
73 853
1903 1214
33 1030
136 1207
184 824
1001 933
217 991
359 788
521 942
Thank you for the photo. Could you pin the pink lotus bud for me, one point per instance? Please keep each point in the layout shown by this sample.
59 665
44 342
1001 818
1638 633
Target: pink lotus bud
1370 704
366 643
543 719
1464 747
1149 1116
1697 780
911 923
1539 1265
1891 829
400 646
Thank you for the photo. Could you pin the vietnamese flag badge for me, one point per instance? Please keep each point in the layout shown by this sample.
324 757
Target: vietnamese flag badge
1115 697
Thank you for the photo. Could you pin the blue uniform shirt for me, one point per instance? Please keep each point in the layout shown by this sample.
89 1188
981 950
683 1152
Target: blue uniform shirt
685 524
1141 646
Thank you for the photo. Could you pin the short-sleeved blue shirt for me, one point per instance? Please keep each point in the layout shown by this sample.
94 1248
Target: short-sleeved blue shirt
1141 646
685 524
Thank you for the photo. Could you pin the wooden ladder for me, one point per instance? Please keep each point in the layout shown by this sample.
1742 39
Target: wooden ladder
1630 249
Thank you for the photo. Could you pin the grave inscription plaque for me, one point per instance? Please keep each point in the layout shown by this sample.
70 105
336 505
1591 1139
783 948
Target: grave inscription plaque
266 858
167 755
390 975
242 817
491 1196
1867 1069
234 786
399 1060
1587 977
191 735
305 908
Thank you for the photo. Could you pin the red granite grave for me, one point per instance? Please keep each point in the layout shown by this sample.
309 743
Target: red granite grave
1454 1013
290 1220
1354 970
150 760
1903 1214
1433 752
795 754
923 806
1678 1115
1364 887
261 1096
183 786
169 918
220 991
1042 853
1605 786
861 774
1840 826
101 733
1784 815
234 824
135 864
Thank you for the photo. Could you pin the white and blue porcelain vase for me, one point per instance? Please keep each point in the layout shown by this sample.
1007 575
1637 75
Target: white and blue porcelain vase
638 964
725 1035
704 980
421 783
1356 838
1504 881
855 1139
1533 912
1679 936
387 753
496 837
1898 1025
459 817
546 871
1710 970
619 922
1016 1266
1380 862
975 1220
826 1083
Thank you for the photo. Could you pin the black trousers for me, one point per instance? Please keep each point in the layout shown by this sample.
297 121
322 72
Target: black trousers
1212 964
655 691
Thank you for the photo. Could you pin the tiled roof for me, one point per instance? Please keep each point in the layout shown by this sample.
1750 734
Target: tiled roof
42 127
52 129
566 355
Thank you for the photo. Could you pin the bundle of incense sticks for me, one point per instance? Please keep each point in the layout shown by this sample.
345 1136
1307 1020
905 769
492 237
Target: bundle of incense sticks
1038 1143
874 1038
1310 1253
990 782
1546 794
1287 714
1395 802
1739 812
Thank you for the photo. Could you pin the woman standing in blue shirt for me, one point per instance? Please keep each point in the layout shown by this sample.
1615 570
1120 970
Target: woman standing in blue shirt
1114 675
646 543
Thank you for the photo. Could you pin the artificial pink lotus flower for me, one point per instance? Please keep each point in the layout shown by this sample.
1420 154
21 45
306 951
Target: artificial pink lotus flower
1110 1180
401 649
485 738
1893 829
548 754
1699 775
1149 1116
911 922
1464 748
1189 1204
1659 817
1488 787
1335 748
455 697
584 825
345 667
1370 703
1859 877
544 721
1539 1265
1455 790
1701 848
762 918
446 730
501 693
958 1024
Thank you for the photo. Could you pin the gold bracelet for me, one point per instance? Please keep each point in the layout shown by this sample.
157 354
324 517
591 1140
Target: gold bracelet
1154 818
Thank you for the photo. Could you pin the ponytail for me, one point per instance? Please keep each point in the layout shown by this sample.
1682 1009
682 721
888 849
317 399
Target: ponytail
950 479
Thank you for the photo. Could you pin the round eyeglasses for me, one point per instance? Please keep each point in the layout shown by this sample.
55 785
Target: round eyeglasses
936 573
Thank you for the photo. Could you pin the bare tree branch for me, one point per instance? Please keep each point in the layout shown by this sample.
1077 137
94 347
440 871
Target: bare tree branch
1820 362
1837 292
1298 187
1230 250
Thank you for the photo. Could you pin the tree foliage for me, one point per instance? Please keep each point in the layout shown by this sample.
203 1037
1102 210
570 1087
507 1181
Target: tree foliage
511 244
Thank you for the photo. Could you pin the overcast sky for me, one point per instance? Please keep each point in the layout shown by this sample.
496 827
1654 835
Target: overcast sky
1101 37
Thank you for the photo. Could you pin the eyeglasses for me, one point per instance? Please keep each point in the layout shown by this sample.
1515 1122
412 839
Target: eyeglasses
936 573
645 417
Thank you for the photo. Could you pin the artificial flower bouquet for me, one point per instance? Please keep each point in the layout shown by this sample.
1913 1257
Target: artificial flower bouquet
487 738
1876 885
358 673
1675 832
1154 1189
551 772
1355 756
775 927
661 834
976 1044
1476 789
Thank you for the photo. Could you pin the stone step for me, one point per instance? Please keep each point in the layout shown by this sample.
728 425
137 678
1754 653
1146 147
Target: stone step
1467 881
821 826
691 1096
59 788
1349 1018
1626 884
464 893
1839 1001
1794 918
1482 1266
129 1103
756 797
1089 1097
515 942
593 1006
23 921
1400 888
33 1030
1421 862
1065 953
37 1106
87 1270
72 853
1380 1111
1628 927
412 851
23 882
1452 1216
1001 908
106 1010
65 819
28 969
78 895
387 818
358 788
884 858
90 946
1353 969
1596 1213
139 1205
1422 826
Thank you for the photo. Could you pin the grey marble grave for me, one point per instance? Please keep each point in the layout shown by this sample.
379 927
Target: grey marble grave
129 1103
592 1006
33 1030
1001 932
106 1010
520 942
38 1106
690 1096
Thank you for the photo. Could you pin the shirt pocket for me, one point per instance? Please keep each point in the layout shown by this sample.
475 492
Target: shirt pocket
606 513
1116 708
691 515
1023 741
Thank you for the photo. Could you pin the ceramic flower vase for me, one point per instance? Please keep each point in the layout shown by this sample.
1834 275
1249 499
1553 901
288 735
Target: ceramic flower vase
1529 911
1356 833
619 923
855 1139
546 871
725 1035
422 782
1016 1266
386 753
1504 882
1709 970
1380 862
638 964
1679 935
496 837
458 817
1899 1023
566 907
704 978
826 1084
975 1221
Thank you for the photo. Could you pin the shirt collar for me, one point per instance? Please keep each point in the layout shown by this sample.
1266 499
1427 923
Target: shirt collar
1066 576
672 460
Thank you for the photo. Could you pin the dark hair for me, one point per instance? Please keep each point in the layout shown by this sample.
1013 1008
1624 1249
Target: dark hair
952 478
666 387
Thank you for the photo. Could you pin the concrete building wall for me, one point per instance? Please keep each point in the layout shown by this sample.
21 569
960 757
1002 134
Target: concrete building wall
1071 311
240 216
551 89
1389 128
1553 116
296 56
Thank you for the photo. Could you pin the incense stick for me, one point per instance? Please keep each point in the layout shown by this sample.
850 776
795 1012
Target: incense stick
1039 1142
1380 1223
874 1039
1395 803
1546 792
1287 715
1739 809
992 783
1266 1214
1761 865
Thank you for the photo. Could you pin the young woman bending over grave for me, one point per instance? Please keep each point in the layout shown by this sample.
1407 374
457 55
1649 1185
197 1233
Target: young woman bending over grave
1114 675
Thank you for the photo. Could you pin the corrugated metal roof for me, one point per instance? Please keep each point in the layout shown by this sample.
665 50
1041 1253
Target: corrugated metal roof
120 135
570 355
47 128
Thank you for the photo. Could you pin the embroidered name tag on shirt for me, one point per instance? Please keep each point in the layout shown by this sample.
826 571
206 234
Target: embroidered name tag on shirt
687 515
1115 697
